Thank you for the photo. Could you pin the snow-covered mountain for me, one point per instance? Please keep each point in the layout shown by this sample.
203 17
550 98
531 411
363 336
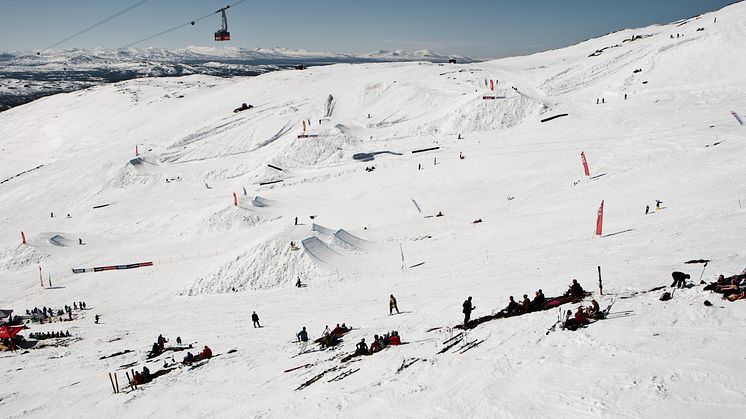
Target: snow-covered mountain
335 176
26 76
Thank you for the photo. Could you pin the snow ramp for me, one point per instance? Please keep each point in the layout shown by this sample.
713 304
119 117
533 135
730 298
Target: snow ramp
318 250
322 230
258 201
61 241
346 239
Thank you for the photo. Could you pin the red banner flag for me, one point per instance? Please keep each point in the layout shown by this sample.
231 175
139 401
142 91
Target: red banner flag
23 238
304 126
41 278
585 163
600 219
235 200
492 85
137 151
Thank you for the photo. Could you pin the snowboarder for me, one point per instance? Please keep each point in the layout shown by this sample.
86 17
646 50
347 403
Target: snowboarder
303 339
392 305
255 319
468 308
679 279
461 155
658 205
647 209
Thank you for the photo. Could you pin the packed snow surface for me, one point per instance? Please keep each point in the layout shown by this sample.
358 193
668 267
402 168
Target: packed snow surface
672 139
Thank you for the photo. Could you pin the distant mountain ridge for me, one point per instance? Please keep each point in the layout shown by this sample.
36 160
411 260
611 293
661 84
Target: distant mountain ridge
26 75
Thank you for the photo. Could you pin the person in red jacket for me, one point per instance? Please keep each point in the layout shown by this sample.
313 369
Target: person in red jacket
206 353
394 339
581 317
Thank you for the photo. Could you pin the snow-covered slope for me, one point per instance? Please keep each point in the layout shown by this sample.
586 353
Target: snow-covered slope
672 139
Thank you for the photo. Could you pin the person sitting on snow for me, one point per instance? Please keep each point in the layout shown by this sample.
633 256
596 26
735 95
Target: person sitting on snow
512 306
575 289
361 348
206 353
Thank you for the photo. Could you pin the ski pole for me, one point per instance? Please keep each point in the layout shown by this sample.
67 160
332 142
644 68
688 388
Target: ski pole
703 272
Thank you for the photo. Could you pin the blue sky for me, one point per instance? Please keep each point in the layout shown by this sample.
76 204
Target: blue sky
475 28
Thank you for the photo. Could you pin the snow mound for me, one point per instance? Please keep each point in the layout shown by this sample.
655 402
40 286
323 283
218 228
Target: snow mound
259 268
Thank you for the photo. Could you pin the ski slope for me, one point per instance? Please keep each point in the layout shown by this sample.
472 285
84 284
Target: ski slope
672 139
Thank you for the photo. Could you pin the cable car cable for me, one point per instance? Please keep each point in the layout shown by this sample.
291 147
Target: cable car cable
191 22
101 22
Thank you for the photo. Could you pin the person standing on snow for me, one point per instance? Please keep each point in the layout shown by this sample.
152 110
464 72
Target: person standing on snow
255 319
468 308
303 339
392 305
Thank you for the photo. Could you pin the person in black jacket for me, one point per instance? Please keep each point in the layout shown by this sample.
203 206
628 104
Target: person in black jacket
303 338
512 306
468 308
255 319
575 289
679 279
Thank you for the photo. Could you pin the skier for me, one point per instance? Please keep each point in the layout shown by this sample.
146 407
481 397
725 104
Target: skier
625 96
679 279
178 340
298 283
96 318
603 100
596 101
80 241
296 220
303 339
459 136
658 205
468 308
255 319
392 305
